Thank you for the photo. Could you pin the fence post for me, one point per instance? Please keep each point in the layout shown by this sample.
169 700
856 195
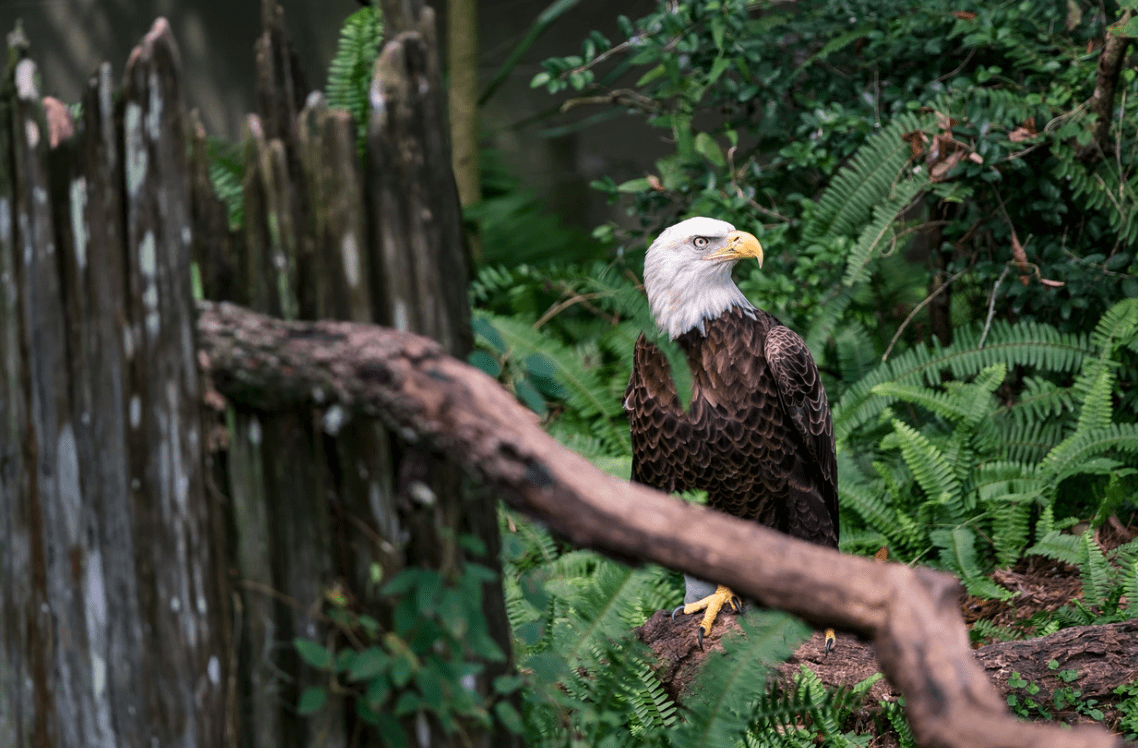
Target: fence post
113 624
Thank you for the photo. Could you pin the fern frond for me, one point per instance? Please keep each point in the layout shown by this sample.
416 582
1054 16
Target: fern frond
931 470
1025 344
350 71
1039 400
1096 391
1118 326
650 701
881 229
1058 546
1029 442
1130 588
585 390
941 403
599 613
1011 526
826 320
994 480
1094 570
861 185
1074 454
855 349
227 177
958 552
896 716
868 501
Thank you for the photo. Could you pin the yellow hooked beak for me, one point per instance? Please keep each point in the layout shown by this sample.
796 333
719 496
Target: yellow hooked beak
740 246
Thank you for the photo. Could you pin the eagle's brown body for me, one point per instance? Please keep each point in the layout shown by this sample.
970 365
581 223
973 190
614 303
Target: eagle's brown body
757 437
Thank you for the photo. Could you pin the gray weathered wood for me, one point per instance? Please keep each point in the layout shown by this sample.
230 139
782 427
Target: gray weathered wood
114 623
157 567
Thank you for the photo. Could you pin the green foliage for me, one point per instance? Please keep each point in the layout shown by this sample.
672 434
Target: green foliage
964 454
1128 709
590 682
939 474
417 665
350 71
1025 700
226 175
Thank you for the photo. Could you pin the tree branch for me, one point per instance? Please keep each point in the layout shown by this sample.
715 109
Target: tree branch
409 382
1109 67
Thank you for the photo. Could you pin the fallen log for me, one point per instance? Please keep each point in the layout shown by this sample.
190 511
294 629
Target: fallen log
911 615
1102 658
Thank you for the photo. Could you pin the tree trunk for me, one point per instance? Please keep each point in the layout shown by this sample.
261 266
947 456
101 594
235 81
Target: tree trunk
462 65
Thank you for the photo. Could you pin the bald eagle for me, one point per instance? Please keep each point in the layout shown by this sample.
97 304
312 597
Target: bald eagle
757 436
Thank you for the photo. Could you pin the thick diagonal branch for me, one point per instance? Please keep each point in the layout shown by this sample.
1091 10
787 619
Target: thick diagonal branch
409 382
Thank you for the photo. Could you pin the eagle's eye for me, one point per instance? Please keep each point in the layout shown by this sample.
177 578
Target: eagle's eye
700 242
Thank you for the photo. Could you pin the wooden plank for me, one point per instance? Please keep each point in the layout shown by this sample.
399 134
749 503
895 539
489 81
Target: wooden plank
288 462
419 239
420 277
21 591
331 175
178 599
49 507
361 462
115 629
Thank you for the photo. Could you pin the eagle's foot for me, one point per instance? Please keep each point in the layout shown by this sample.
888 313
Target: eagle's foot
831 638
711 604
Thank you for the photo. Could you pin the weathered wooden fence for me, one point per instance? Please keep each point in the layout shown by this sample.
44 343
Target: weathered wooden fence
157 557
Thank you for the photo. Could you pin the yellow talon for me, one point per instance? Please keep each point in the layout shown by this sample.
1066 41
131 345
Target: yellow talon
711 604
831 638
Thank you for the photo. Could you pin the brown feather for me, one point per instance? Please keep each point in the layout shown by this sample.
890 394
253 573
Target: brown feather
758 436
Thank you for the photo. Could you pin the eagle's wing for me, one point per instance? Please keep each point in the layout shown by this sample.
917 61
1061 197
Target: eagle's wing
657 422
813 481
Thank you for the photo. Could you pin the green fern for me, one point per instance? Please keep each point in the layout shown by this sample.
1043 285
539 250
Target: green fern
350 71
227 175
1096 573
1080 452
654 708
847 204
585 391
958 552
931 470
881 230
896 717
1027 344
1130 589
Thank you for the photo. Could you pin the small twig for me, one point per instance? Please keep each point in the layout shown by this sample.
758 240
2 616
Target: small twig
564 304
959 67
623 96
916 309
992 306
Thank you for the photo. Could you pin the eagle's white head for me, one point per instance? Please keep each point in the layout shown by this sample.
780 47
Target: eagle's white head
687 273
